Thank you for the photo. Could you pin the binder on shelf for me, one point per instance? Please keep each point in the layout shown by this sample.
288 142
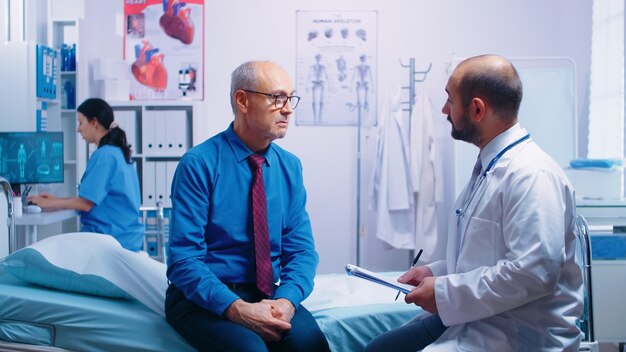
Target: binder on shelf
176 132
42 116
148 133
170 168
160 181
148 184
167 218
160 134
150 220
127 120
152 244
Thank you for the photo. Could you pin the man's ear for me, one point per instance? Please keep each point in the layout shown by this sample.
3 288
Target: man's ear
241 100
477 109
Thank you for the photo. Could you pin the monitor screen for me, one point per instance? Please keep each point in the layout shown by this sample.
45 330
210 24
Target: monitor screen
31 157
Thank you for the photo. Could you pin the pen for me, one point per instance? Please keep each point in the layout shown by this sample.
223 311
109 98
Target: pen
25 193
417 257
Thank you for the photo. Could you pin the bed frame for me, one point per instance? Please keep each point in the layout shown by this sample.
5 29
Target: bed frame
20 347
339 319
7 220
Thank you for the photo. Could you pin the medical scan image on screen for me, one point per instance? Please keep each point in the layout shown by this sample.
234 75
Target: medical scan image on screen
31 157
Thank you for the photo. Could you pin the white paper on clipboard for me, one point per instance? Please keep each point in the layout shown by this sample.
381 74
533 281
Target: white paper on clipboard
356 271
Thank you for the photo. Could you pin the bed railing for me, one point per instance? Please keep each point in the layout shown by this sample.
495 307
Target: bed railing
7 221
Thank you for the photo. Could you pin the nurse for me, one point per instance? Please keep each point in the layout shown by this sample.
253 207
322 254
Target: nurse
108 195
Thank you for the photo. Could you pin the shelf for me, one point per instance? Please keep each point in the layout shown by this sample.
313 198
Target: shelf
163 157
49 101
68 73
585 202
68 111
149 103
69 162
608 212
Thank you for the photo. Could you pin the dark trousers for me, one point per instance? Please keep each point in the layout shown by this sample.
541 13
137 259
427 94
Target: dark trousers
209 332
410 337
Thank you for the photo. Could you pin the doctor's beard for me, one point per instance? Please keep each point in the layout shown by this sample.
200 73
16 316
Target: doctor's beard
467 133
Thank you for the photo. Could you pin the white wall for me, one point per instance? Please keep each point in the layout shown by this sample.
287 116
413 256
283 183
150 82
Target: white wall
428 30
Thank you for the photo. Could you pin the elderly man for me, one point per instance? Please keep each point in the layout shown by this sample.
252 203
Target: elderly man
241 252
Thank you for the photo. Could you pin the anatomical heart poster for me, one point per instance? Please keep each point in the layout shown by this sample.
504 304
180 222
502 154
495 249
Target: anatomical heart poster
164 48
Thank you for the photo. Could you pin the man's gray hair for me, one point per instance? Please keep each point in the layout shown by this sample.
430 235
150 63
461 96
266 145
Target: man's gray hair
243 77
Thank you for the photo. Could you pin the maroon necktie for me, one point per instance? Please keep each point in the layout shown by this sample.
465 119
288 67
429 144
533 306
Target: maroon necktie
264 272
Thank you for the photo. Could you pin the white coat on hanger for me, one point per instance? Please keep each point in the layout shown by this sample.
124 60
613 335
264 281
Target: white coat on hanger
392 192
426 178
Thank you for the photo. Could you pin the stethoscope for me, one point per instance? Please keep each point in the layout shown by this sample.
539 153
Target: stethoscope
460 212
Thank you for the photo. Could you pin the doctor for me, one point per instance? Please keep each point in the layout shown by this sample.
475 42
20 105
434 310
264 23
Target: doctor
509 281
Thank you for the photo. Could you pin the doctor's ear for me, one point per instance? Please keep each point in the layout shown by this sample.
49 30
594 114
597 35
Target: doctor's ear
477 108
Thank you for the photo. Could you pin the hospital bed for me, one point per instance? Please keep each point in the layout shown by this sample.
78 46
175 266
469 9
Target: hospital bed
83 292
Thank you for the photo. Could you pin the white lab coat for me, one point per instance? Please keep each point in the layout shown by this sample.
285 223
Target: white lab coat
426 178
408 181
510 281
392 194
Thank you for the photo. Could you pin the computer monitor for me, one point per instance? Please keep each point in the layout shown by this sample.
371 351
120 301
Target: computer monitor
31 157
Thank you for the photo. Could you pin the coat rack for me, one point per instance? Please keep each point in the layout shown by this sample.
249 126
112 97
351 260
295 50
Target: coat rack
414 77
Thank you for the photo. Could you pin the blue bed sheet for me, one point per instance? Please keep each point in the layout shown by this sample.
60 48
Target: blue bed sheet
351 328
352 311
78 322
348 310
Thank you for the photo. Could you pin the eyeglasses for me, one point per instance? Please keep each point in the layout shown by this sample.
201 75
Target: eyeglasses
280 100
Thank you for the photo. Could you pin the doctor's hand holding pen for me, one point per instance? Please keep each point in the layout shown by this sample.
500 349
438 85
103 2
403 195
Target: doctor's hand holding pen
424 293
415 274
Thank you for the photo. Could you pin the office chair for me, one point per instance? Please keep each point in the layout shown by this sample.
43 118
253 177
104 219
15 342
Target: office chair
583 257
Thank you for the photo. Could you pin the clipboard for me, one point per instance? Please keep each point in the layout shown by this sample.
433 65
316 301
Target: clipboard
356 271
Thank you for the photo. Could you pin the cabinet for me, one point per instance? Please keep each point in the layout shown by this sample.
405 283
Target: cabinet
24 107
159 135
63 34
607 220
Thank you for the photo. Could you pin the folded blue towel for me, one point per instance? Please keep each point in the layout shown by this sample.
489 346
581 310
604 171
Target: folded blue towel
609 247
594 163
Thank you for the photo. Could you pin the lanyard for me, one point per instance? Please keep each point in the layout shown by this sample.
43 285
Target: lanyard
460 212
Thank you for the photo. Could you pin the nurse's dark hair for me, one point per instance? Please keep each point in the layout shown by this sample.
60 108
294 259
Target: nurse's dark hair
96 108
498 84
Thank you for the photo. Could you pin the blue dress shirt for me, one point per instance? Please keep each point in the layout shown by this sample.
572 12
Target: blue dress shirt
112 185
211 240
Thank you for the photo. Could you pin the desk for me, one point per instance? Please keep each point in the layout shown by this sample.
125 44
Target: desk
31 221
603 212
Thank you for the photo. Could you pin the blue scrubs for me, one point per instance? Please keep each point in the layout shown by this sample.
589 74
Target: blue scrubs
112 185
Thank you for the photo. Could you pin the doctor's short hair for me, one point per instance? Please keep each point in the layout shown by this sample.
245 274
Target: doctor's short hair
501 88
243 77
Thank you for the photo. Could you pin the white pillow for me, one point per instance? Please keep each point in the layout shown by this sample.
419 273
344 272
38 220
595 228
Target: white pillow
90 263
